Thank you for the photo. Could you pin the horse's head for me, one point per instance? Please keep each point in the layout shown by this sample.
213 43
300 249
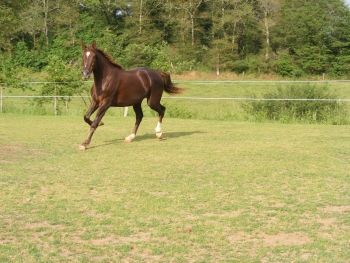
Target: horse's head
89 59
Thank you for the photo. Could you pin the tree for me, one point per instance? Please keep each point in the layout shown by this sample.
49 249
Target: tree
270 10
310 30
67 19
31 20
10 22
47 9
231 22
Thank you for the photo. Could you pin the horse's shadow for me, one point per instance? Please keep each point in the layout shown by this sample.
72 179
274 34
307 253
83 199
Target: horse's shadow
169 135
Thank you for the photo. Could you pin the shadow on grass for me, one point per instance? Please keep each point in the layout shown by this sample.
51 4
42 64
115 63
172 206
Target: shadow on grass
169 135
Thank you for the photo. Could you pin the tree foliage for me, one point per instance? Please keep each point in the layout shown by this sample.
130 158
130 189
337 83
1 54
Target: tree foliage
290 38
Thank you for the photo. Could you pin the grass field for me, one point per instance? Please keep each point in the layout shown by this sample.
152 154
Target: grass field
210 191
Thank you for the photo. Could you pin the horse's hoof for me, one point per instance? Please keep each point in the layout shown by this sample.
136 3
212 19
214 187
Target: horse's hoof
129 138
82 147
159 135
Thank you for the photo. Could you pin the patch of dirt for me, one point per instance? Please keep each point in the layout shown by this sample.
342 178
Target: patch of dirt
12 153
43 225
336 209
8 153
326 222
227 214
289 239
239 237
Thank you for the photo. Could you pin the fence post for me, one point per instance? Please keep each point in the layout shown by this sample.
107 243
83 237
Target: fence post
1 98
55 100
126 111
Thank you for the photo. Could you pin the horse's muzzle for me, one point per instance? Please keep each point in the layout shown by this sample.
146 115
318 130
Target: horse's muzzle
85 74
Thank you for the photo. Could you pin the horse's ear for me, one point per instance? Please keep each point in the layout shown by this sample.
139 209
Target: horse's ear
94 44
83 45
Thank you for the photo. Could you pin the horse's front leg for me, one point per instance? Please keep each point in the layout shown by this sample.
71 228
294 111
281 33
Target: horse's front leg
100 113
93 107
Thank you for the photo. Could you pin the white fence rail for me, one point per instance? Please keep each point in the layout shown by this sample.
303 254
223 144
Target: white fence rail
2 97
164 97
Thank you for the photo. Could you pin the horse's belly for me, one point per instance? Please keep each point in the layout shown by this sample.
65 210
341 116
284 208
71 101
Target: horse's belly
129 98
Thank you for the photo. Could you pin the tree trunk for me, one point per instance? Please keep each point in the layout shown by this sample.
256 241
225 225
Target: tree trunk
140 20
46 12
192 29
267 30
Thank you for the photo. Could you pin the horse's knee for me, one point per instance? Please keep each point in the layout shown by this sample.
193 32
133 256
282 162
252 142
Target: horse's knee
86 119
94 124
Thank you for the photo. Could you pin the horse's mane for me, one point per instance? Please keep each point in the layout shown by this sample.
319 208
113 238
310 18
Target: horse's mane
109 58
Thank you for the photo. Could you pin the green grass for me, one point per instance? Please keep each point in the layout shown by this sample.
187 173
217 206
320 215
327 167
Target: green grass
211 191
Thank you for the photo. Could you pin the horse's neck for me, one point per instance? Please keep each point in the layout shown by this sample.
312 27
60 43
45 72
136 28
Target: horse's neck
102 70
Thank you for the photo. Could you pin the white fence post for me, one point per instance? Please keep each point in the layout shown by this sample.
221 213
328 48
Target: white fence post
55 100
126 111
1 88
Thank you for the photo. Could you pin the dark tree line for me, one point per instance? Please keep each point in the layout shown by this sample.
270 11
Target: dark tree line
291 38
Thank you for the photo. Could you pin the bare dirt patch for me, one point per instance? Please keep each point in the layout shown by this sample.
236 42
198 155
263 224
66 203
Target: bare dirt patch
13 153
286 239
290 239
9 153
336 209
227 214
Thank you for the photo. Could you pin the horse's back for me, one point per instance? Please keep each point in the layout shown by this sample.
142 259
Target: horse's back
147 75
137 84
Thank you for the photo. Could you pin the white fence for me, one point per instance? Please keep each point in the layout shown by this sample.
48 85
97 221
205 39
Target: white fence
2 97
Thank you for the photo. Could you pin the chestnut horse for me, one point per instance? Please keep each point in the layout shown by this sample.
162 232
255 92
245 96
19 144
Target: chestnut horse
115 87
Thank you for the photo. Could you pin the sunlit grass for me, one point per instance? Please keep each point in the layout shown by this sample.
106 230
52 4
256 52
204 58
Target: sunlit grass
211 191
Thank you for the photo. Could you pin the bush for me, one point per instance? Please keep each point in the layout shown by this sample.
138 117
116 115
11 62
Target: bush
288 111
238 66
177 111
284 66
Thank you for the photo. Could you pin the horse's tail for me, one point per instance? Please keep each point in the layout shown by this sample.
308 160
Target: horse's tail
169 87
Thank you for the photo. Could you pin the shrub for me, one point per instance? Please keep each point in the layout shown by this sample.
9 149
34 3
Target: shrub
284 66
286 111
239 66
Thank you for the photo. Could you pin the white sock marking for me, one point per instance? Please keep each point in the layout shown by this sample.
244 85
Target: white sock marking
159 127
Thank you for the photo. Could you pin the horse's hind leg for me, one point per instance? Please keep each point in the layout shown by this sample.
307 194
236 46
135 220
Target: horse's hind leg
161 110
139 116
